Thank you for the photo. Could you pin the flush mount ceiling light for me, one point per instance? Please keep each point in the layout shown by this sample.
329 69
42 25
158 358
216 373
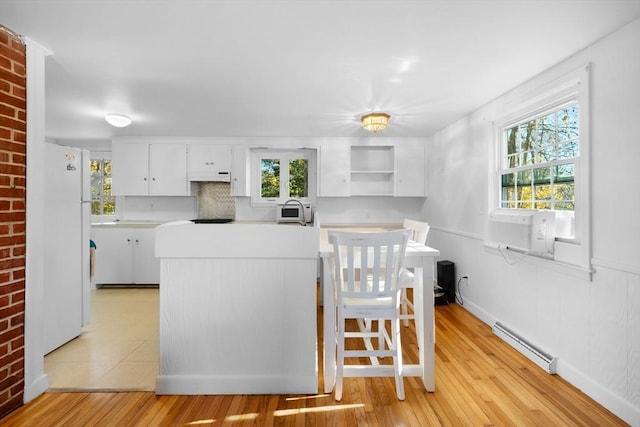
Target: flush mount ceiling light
375 122
118 120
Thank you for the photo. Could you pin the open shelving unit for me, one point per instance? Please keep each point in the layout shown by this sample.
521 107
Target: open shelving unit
372 170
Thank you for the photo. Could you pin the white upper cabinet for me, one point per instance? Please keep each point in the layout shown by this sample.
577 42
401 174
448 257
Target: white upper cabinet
372 170
149 169
335 170
392 169
130 169
410 169
210 162
240 183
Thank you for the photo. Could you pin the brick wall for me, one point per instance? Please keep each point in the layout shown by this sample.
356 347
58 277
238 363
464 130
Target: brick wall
13 150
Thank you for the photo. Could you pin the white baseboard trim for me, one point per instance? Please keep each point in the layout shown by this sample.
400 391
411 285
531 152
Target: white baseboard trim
600 394
620 407
480 313
36 388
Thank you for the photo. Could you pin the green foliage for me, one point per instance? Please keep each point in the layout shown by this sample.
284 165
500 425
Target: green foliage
102 201
271 178
536 147
298 178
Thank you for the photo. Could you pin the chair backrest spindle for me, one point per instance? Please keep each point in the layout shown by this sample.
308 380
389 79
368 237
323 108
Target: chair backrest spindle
368 262
419 230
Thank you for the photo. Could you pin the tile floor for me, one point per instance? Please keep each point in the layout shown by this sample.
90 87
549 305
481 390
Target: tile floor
118 350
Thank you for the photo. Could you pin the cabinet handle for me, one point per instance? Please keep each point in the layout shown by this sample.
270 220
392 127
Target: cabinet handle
145 178
153 179
128 240
137 241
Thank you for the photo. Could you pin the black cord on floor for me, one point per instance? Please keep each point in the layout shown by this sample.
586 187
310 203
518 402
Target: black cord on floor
459 299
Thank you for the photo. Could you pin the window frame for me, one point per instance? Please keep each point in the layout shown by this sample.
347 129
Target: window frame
530 103
102 217
562 103
284 155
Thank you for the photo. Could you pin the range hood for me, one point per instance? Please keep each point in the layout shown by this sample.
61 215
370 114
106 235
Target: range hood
211 177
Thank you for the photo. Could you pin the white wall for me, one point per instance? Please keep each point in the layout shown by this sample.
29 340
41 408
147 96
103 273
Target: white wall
592 326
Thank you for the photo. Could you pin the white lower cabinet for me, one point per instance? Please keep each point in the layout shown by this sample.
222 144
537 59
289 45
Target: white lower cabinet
125 255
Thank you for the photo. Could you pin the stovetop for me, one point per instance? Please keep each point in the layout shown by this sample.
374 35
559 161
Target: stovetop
212 221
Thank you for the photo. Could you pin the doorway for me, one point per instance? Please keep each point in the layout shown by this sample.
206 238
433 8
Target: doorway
118 350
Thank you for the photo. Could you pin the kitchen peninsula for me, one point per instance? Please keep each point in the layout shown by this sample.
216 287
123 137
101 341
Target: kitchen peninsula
237 308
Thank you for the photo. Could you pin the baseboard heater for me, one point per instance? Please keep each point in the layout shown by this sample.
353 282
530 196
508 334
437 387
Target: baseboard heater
530 351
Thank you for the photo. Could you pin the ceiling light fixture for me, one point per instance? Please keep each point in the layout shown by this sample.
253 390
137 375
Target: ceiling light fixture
118 120
375 122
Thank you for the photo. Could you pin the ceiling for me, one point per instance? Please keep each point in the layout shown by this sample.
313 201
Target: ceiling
293 68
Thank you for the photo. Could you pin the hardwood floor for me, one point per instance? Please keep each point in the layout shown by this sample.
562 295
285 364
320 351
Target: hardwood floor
479 381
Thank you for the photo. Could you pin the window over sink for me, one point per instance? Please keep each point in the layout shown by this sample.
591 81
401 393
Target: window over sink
282 174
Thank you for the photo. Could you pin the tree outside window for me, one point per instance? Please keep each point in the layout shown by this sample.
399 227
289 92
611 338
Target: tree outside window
283 175
102 201
539 161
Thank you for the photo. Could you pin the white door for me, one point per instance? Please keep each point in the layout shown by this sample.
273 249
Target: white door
62 319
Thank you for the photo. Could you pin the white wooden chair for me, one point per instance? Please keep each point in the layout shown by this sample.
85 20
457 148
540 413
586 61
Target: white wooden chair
419 232
379 256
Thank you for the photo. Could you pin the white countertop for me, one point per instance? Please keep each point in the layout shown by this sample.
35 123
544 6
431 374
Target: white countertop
242 240
127 224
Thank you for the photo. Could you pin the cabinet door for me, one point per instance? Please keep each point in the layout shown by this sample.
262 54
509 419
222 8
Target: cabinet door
114 260
410 170
335 170
130 169
240 172
220 160
199 161
146 266
168 170
209 161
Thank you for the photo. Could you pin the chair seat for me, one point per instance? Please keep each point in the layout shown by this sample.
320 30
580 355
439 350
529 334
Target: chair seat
367 303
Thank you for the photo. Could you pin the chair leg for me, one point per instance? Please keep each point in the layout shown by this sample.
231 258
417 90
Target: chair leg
340 360
397 359
381 340
404 306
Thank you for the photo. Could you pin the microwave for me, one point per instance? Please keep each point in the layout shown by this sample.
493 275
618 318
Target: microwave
293 212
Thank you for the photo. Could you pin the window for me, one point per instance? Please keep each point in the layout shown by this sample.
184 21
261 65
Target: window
539 161
542 160
283 174
102 201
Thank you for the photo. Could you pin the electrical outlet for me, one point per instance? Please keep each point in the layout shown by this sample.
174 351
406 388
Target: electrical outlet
466 277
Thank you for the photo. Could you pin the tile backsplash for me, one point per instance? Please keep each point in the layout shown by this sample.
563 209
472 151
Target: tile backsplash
215 200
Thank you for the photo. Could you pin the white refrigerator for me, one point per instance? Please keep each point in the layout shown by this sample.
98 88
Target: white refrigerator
67 305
